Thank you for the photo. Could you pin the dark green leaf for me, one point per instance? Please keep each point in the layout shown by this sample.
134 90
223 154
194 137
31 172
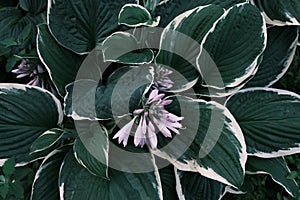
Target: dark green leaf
233 48
168 10
33 6
268 119
123 47
45 185
24 117
188 30
88 99
134 15
280 12
211 143
46 140
168 182
76 183
81 25
8 168
16 189
4 189
277 168
193 186
61 63
280 51
11 62
91 148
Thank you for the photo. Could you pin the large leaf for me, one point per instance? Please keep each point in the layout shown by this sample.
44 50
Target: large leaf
233 48
168 182
76 183
211 142
33 6
277 168
13 21
81 25
280 12
281 47
45 185
24 118
269 120
88 99
91 149
180 43
61 63
193 186
168 10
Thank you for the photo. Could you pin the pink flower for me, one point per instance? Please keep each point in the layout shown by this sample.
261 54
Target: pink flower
152 117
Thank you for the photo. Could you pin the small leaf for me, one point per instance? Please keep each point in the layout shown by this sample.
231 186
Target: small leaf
123 47
9 167
278 169
17 189
11 62
46 140
280 12
4 189
91 149
134 15
293 175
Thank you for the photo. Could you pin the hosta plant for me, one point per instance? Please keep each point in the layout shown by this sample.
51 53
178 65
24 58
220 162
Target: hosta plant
149 99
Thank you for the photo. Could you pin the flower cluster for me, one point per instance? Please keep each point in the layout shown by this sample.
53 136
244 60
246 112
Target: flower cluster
36 72
162 79
152 117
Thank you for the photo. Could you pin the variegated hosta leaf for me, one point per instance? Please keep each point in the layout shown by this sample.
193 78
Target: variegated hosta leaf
123 47
168 10
211 142
280 12
24 118
181 43
81 25
193 186
61 63
46 140
269 119
233 49
76 183
279 53
277 168
91 148
88 99
134 15
168 182
45 185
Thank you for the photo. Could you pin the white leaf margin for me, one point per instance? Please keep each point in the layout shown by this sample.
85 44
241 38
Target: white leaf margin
150 23
191 165
278 153
252 68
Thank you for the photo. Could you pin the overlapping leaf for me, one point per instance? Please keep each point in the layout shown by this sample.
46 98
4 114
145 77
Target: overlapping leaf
88 99
24 118
211 143
180 43
277 168
76 183
280 12
82 25
61 63
233 49
269 120
279 53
